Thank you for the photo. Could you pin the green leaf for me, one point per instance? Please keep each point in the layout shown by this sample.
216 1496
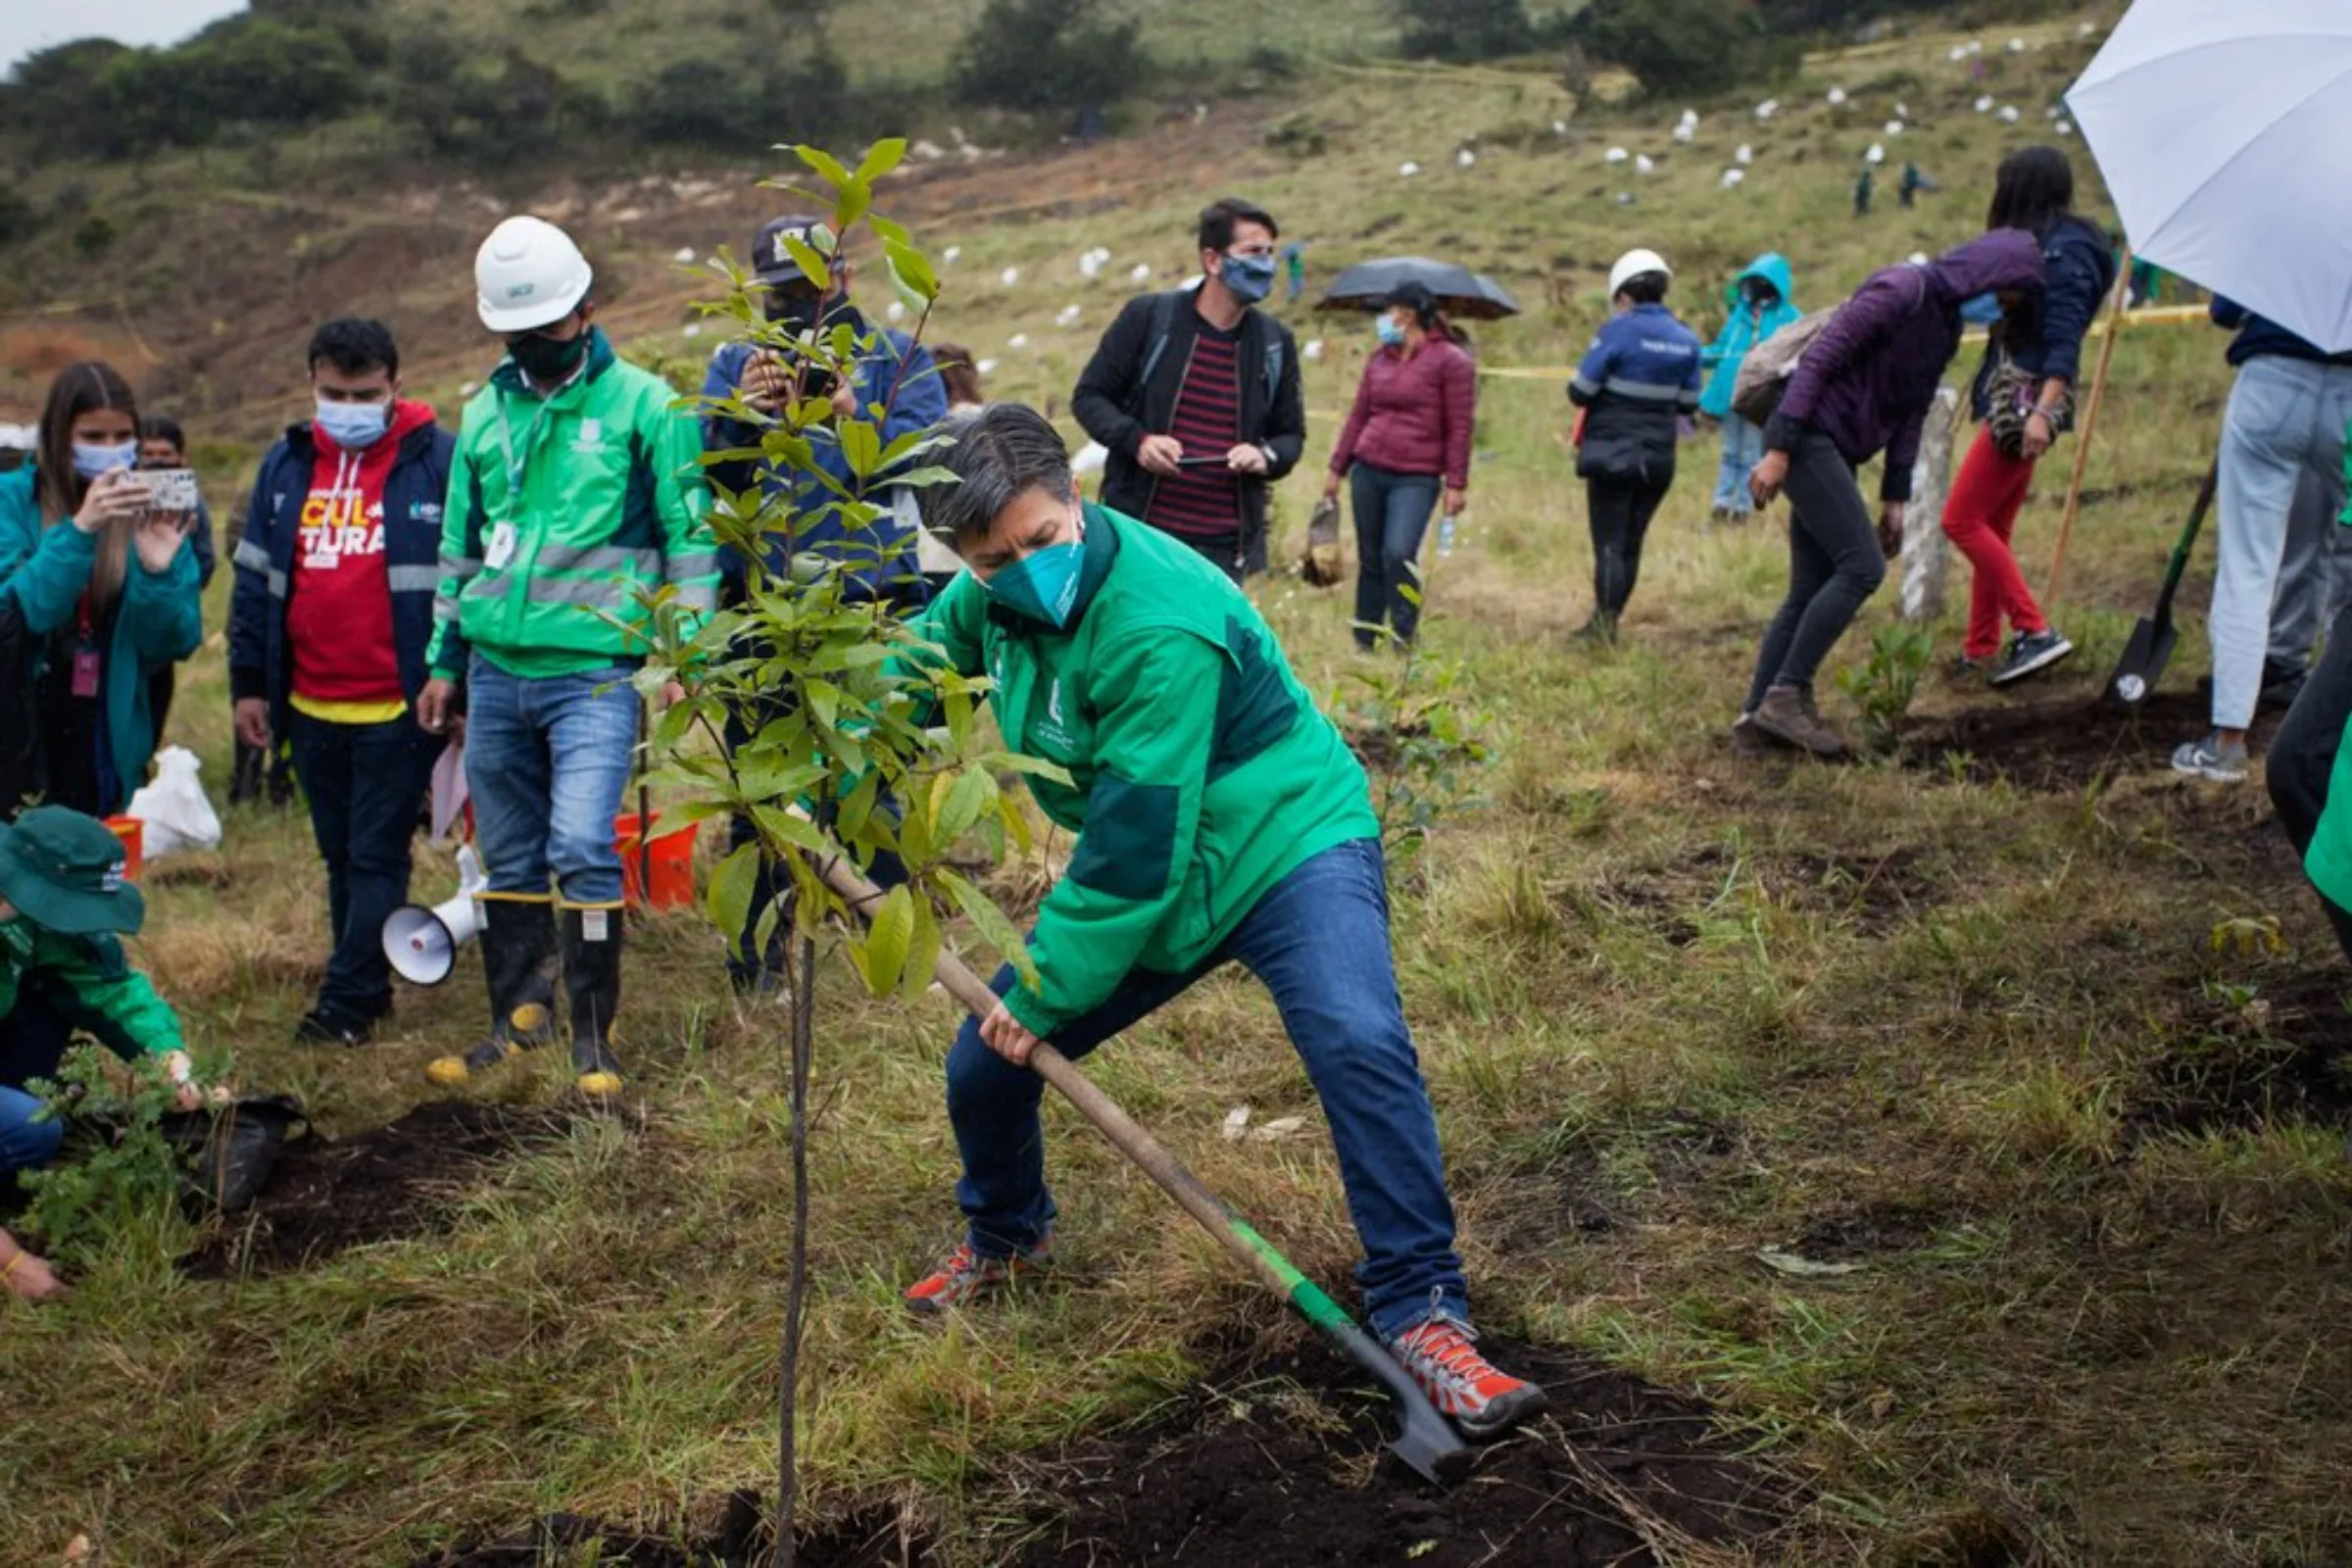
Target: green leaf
884 229
729 898
909 267
824 701
924 477
860 806
889 940
827 168
968 801
861 448
923 956
990 921
813 266
880 159
857 200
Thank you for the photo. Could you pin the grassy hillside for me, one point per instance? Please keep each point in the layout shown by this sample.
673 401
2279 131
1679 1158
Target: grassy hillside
1997 1018
607 41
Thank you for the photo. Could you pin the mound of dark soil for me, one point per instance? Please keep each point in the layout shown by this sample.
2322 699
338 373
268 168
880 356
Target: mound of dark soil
327 1195
2286 1056
873 1538
2061 745
1621 1472
1892 1225
1875 892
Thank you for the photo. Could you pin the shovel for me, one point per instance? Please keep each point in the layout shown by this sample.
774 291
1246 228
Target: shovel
1425 1441
2151 645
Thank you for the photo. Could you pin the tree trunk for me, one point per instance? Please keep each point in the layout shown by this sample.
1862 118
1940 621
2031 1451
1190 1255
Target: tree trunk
796 1288
1927 556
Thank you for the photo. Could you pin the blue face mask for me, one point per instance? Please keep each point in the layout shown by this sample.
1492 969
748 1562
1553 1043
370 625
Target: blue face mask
1389 332
354 427
1042 585
91 461
1249 278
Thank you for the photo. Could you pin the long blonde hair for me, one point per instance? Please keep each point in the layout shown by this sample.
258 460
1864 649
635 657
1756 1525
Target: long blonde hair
77 389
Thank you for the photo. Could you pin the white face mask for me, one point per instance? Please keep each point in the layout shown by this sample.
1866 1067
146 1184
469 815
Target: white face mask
353 426
91 459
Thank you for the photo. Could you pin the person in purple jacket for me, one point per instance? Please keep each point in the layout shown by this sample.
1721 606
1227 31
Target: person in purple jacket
1864 386
1408 433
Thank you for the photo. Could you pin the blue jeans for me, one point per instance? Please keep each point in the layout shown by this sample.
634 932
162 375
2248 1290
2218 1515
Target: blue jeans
2285 418
365 784
1743 449
1319 943
548 763
1391 514
33 1041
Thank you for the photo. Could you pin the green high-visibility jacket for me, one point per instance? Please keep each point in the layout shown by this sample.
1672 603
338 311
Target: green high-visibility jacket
89 982
561 511
1200 772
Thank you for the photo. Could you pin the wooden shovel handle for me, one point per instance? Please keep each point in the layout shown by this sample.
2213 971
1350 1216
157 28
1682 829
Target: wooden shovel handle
2090 423
1092 1104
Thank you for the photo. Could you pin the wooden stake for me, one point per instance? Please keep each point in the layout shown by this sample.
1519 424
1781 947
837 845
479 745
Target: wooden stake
2090 423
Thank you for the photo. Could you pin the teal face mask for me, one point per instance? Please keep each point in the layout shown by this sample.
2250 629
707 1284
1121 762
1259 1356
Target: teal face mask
1388 332
1043 586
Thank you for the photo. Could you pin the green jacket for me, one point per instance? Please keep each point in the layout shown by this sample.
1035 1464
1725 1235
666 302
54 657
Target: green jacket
87 980
564 507
157 620
1200 772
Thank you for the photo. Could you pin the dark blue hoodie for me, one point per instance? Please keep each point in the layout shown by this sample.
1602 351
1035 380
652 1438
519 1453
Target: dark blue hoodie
2258 335
2045 335
883 562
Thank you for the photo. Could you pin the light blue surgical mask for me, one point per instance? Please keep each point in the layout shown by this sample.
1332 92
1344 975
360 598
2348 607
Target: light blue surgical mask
1388 330
1041 585
91 460
354 427
1249 278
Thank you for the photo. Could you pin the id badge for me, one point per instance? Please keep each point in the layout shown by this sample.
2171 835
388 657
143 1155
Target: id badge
85 672
500 548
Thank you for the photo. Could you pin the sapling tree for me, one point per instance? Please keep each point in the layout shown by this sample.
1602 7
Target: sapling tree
1413 724
845 736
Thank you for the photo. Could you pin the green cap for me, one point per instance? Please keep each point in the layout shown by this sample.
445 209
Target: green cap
63 871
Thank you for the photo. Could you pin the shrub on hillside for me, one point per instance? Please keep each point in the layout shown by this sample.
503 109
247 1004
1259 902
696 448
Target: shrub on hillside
1463 31
739 106
1681 46
1049 54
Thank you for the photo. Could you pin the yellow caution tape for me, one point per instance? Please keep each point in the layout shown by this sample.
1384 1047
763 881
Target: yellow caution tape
2155 316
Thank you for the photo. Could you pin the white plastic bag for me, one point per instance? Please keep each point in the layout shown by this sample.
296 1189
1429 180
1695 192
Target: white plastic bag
173 810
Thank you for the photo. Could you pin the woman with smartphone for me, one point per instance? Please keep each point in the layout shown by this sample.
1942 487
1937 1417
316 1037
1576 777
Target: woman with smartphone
104 583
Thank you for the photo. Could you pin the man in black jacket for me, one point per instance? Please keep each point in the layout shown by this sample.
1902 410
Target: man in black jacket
1196 395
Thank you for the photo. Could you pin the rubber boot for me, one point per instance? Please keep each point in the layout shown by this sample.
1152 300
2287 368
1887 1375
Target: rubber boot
592 985
519 961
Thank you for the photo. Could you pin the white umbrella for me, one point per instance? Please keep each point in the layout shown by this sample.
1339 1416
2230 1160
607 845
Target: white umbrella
2221 132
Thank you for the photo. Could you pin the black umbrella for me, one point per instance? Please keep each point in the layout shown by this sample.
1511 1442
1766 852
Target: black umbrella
1472 296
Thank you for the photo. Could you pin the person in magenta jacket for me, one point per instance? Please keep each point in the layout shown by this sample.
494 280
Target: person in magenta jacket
1407 434
1863 387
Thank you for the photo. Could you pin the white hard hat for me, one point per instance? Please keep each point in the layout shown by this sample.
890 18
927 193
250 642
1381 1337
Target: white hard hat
529 274
1632 264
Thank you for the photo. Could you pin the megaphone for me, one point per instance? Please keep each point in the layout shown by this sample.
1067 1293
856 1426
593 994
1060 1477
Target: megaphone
422 943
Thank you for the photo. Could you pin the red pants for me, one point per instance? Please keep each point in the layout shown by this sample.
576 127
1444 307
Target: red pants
1978 517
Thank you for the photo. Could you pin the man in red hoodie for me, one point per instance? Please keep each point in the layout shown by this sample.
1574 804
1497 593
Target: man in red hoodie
333 608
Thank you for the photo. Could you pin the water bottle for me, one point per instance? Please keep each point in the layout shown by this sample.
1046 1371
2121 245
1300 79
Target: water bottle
1445 534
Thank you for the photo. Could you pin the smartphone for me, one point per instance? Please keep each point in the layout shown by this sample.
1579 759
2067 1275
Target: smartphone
167 489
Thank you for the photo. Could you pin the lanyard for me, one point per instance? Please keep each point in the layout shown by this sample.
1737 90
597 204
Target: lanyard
517 463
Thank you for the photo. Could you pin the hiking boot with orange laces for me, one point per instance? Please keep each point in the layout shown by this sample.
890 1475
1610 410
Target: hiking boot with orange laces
1467 1389
967 1275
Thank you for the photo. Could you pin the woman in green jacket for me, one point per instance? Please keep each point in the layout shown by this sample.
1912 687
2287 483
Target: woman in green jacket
1221 818
106 587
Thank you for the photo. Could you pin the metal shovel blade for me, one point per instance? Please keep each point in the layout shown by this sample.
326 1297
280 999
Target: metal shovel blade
2142 664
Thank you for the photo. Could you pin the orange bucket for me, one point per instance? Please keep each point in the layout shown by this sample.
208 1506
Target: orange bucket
673 862
133 834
